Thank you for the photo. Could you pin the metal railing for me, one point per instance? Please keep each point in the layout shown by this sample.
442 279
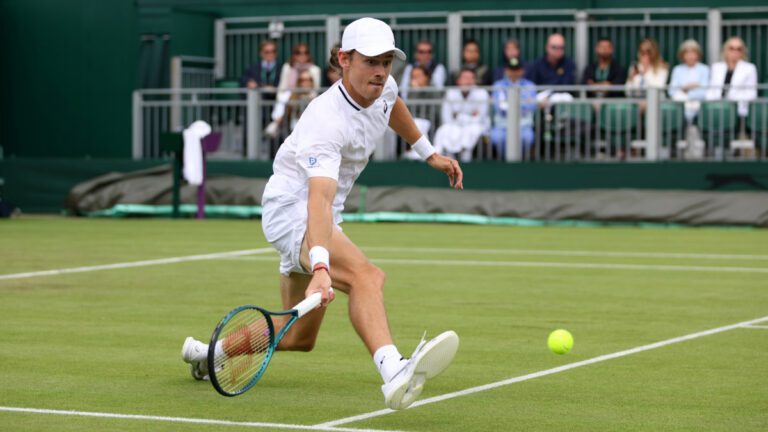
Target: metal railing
583 125
237 39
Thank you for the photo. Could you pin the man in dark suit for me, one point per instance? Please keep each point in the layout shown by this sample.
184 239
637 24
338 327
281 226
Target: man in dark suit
265 73
605 70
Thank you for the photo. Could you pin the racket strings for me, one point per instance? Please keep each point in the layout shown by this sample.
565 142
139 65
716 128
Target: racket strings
245 343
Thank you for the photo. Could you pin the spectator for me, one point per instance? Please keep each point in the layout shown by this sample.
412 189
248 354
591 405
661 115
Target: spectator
422 113
650 70
304 92
470 56
511 49
737 72
263 74
300 61
689 79
464 115
332 74
514 73
554 68
605 70
424 59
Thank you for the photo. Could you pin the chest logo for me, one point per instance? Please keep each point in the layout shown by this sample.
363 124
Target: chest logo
386 107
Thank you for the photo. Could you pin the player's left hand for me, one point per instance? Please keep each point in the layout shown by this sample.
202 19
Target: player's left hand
450 167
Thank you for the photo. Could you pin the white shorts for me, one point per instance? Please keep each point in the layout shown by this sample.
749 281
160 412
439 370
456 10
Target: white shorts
284 222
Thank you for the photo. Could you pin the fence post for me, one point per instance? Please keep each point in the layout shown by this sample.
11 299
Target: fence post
714 35
514 149
176 84
253 124
454 41
652 123
219 48
138 133
582 43
332 33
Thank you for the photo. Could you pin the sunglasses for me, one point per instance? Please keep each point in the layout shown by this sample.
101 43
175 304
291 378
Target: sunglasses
269 51
421 51
736 48
557 47
301 52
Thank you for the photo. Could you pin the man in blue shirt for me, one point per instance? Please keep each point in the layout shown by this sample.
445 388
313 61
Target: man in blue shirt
513 76
263 74
554 68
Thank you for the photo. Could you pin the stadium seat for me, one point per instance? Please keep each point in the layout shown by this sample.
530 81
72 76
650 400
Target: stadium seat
573 128
619 124
757 123
673 126
717 122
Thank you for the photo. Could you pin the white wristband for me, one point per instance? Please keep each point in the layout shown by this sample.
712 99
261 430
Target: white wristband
423 148
319 255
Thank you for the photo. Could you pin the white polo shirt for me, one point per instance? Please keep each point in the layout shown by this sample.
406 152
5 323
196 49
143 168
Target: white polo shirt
335 137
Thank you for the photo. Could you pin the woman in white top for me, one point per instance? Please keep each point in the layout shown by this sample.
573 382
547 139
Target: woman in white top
314 171
737 72
689 79
301 60
465 117
650 70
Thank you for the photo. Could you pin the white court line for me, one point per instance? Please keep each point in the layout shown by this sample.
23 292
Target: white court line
172 260
600 266
555 252
539 374
756 327
184 420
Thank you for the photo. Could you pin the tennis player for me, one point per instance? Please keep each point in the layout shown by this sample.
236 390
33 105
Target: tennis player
314 170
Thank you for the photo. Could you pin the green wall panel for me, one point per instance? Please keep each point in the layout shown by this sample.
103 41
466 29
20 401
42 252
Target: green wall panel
41 185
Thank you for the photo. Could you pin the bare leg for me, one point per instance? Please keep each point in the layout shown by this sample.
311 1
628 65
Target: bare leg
353 274
303 333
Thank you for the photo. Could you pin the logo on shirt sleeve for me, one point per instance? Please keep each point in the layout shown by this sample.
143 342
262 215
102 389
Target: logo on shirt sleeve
312 161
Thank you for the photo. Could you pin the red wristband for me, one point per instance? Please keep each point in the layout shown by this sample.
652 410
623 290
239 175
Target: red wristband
320 266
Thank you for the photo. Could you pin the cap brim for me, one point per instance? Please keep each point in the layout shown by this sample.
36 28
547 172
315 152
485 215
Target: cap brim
382 49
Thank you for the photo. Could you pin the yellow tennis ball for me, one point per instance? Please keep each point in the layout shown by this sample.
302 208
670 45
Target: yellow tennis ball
560 341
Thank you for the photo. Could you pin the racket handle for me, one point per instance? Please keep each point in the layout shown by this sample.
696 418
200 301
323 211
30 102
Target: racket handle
308 304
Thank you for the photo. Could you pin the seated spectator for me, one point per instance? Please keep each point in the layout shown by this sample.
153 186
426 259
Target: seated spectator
301 60
464 116
263 74
513 77
554 68
737 72
650 70
689 79
511 50
605 71
302 95
422 113
470 57
424 59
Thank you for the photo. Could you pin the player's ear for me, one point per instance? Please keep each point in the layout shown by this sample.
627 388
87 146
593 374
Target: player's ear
345 59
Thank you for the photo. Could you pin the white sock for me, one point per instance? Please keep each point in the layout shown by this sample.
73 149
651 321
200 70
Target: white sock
219 350
388 361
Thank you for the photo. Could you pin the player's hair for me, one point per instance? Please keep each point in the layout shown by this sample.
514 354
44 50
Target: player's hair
334 60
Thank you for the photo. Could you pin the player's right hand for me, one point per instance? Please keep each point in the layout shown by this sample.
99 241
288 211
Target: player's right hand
321 282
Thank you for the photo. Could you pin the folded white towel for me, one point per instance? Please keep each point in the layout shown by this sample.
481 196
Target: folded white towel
193 151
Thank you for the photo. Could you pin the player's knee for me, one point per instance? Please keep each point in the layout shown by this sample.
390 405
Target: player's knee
376 277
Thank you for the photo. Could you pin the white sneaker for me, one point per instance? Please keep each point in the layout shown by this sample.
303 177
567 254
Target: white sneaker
195 353
429 359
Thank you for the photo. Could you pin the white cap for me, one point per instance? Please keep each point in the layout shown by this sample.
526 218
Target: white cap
370 37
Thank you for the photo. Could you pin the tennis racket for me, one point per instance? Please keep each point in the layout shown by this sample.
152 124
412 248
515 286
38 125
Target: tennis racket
243 343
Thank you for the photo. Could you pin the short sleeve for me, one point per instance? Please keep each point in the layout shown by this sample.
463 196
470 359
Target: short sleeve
319 149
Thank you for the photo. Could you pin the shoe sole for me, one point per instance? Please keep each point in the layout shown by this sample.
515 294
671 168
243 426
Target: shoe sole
438 354
434 358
